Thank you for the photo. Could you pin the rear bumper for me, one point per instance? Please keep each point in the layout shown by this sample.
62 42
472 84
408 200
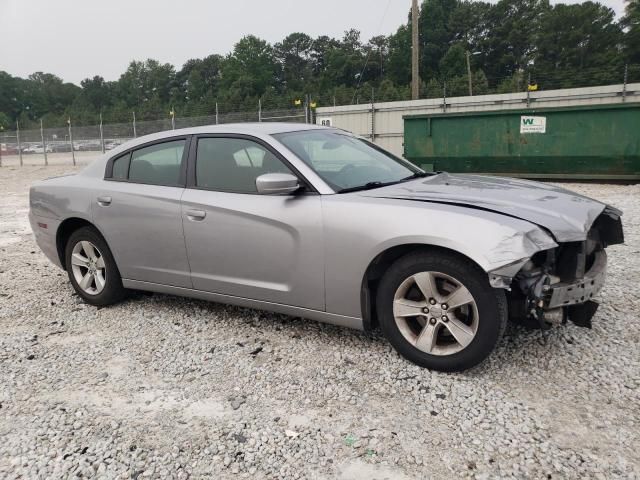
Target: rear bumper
581 290
44 229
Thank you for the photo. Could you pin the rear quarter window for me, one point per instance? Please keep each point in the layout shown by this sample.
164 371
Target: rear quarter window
120 169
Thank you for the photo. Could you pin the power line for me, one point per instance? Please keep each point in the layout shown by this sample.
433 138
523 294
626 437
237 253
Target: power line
366 62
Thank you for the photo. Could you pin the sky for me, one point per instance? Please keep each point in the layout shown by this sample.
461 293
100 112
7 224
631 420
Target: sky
76 39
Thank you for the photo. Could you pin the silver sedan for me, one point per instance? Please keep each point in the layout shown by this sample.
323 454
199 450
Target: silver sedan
318 223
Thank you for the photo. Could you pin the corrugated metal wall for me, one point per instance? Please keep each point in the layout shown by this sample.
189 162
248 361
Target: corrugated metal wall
383 123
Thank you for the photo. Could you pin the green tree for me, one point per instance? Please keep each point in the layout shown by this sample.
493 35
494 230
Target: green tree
5 121
97 92
631 24
454 62
293 56
436 34
399 58
578 45
250 69
510 41
200 77
147 87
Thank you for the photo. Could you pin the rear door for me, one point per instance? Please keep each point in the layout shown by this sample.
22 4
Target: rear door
240 243
138 211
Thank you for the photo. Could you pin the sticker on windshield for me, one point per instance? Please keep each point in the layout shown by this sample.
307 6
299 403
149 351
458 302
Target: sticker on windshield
533 124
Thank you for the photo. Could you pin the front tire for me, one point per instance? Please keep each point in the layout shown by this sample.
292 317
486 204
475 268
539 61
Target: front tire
91 268
438 310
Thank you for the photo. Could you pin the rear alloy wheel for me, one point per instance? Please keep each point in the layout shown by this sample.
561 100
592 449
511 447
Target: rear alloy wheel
439 311
88 267
92 269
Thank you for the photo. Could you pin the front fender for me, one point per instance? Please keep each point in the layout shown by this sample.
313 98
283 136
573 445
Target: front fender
357 230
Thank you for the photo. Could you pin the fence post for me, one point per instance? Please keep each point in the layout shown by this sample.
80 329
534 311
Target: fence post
624 85
73 152
216 113
444 96
101 134
373 116
44 144
469 73
528 91
134 125
18 140
259 110
173 118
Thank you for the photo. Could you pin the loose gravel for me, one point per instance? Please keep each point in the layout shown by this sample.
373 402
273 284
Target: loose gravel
166 387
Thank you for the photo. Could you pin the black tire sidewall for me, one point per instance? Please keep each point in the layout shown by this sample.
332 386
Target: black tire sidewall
490 302
113 290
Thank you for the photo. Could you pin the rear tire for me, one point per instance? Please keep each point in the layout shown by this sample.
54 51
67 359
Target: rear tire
417 320
91 268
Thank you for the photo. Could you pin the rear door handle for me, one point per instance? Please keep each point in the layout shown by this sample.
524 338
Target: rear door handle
196 215
104 201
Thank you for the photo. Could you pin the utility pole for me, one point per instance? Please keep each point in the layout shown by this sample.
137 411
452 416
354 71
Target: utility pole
415 52
469 73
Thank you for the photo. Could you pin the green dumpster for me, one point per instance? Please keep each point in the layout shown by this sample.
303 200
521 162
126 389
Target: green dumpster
580 142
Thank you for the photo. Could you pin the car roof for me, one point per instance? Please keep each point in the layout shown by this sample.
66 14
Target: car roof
265 128
261 128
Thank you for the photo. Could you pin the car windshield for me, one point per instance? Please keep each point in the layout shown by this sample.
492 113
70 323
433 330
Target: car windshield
345 162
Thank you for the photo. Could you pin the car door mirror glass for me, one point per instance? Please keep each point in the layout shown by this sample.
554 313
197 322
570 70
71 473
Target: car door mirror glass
277 183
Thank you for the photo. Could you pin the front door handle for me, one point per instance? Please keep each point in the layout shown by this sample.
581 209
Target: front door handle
196 215
104 201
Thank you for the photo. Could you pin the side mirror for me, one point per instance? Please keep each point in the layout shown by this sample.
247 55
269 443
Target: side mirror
277 183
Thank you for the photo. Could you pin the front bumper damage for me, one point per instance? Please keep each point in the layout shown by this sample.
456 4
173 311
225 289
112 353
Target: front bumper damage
560 284
581 290
552 303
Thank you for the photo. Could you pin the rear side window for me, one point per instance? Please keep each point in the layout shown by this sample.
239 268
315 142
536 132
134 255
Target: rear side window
157 164
121 167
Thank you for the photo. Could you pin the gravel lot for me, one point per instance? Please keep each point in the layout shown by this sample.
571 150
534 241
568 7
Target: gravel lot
162 386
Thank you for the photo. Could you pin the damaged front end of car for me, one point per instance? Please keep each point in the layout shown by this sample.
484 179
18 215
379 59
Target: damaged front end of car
559 284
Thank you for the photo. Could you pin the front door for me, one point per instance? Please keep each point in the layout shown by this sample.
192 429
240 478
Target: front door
138 211
243 244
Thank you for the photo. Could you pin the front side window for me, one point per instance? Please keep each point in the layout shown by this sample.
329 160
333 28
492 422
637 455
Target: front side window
157 164
233 164
346 162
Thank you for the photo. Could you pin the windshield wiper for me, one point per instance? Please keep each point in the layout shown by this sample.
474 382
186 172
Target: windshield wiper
376 184
366 186
417 175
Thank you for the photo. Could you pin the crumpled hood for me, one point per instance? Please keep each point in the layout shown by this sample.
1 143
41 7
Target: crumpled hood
567 215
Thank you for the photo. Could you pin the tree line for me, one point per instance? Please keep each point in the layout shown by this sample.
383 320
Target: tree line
507 44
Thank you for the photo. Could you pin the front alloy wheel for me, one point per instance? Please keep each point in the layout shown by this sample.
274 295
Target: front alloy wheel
436 313
439 311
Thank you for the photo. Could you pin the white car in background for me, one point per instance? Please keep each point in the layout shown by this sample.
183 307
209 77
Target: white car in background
37 148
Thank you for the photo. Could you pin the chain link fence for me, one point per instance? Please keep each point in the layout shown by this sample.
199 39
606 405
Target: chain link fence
80 144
